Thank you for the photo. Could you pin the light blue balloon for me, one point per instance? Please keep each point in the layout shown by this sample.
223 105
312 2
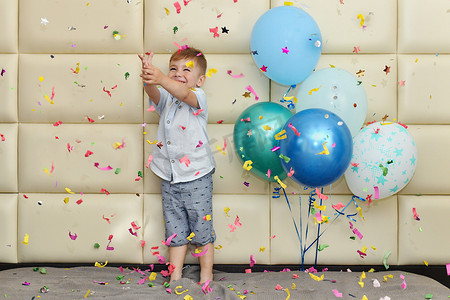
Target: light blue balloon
338 91
294 30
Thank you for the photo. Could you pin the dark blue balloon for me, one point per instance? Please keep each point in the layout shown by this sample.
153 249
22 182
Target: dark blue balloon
318 147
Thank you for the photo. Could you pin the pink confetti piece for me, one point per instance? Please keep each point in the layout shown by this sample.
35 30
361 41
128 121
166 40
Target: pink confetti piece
416 216
356 49
177 7
161 259
361 254
377 192
149 160
88 153
185 160
358 234
291 172
251 90
131 232
3 137
169 239
3 72
245 120
108 168
275 148
135 227
73 237
248 271
142 280
234 76
197 112
56 124
448 269
338 206
170 270
186 2
278 287
237 222
200 143
294 129
79 202
200 253
26 283
320 195
151 108
205 288
337 294
252 261
104 191
233 228
106 91
110 240
268 173
214 31
404 281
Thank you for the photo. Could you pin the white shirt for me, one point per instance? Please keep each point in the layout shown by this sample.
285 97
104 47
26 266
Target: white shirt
185 154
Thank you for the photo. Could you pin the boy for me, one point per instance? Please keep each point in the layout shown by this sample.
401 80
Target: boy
182 157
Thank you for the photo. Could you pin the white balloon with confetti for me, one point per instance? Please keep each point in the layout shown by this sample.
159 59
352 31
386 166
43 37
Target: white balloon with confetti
383 162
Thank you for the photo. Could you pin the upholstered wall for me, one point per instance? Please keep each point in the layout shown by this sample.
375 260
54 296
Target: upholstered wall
72 104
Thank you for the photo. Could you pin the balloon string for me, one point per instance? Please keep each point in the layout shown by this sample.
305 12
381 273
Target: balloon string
318 232
291 103
293 220
302 252
311 201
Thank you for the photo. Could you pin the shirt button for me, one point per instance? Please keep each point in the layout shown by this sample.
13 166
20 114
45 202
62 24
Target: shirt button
168 142
172 161
179 106
168 121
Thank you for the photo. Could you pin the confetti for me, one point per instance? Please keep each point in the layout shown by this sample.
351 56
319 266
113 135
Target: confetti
251 90
199 253
210 72
214 31
235 76
336 293
73 237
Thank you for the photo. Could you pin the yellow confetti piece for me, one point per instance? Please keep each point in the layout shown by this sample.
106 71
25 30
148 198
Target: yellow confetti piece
46 171
288 3
374 248
48 99
167 11
219 247
314 90
364 249
247 165
425 262
210 72
279 182
266 127
188 297
332 66
182 292
191 236
360 212
99 265
361 17
364 298
293 286
290 98
416 60
361 283
385 278
321 207
208 217
226 210
316 278
151 143
66 200
26 238
152 276
190 64
288 294
281 135
262 249
87 294
41 78
371 270
69 191
220 150
325 150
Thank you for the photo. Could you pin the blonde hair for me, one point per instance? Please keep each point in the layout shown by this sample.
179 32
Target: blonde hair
191 53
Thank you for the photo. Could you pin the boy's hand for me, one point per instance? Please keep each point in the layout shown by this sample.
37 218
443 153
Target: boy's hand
150 73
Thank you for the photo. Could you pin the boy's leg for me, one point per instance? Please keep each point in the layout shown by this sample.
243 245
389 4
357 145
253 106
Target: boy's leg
176 258
206 263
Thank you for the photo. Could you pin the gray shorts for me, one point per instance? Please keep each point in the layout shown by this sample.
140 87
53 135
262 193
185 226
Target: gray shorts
185 205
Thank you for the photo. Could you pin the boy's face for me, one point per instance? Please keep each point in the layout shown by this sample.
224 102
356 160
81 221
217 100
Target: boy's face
186 71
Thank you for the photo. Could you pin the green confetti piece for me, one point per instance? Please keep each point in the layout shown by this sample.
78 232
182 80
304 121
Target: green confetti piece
120 277
420 229
117 171
127 75
352 238
175 29
151 284
321 247
385 259
166 284
429 296
96 245
43 271
140 174
35 269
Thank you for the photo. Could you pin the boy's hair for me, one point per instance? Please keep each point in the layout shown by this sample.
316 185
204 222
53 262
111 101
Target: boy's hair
191 53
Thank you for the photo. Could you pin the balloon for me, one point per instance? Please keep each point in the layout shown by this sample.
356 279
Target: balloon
317 148
383 162
338 91
286 44
254 133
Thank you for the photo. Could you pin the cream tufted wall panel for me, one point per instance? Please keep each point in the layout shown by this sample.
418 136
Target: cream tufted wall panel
77 132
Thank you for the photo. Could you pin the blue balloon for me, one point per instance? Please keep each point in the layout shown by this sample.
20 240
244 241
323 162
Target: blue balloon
286 44
318 147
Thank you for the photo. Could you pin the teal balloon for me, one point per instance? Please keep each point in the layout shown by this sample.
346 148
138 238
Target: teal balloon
286 44
254 138
338 91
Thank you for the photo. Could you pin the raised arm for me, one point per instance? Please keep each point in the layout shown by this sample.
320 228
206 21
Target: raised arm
150 86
